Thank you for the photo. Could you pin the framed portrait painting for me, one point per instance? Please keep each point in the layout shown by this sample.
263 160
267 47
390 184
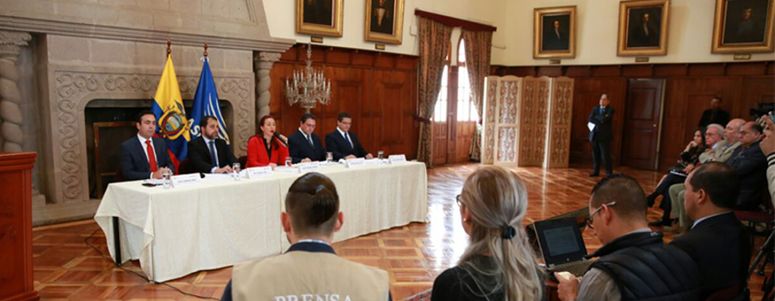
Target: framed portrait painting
319 17
643 27
554 32
384 21
743 26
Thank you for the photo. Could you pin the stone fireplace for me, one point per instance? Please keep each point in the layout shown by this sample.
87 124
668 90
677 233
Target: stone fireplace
57 57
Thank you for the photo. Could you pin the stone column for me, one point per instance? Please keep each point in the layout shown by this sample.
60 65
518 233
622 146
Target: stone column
10 97
263 65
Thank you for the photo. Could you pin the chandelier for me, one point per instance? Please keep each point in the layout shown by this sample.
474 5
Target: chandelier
308 87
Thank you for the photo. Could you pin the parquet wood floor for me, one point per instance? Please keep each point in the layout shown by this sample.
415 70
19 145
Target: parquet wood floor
67 268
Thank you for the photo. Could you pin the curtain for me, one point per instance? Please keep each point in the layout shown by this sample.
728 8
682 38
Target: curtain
434 44
477 50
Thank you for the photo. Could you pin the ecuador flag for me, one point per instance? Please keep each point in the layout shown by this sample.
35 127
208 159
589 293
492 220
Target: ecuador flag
172 124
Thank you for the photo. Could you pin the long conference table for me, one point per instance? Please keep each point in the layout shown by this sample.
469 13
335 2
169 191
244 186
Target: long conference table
221 221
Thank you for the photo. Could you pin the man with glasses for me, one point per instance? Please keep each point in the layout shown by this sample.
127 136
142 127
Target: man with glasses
750 166
633 263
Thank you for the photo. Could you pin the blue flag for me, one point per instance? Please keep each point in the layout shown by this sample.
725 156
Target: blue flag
206 104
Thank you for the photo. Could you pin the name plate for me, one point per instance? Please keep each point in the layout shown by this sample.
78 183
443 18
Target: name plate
396 158
308 166
355 162
258 172
286 169
374 161
186 179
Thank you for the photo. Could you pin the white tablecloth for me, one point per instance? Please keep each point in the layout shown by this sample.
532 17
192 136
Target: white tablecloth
221 222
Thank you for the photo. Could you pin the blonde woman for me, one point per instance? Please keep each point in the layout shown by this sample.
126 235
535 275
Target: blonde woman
498 264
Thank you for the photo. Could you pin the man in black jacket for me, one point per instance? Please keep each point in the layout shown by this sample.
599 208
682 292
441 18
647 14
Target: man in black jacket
600 135
304 145
714 115
750 166
342 142
143 156
717 241
209 154
633 263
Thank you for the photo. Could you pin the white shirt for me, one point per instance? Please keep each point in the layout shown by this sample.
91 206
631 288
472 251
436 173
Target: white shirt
215 151
307 137
346 138
145 151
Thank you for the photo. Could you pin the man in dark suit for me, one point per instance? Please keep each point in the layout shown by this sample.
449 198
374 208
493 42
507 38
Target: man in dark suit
142 156
717 241
714 115
210 154
304 145
750 166
600 136
556 37
343 143
645 34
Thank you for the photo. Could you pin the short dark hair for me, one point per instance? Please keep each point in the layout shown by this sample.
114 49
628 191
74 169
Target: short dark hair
625 191
342 116
719 181
313 204
142 113
205 120
307 116
756 127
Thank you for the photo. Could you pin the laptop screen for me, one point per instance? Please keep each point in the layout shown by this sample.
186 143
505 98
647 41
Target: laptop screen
560 241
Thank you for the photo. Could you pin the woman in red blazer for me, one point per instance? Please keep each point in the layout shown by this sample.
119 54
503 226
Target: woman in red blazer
258 152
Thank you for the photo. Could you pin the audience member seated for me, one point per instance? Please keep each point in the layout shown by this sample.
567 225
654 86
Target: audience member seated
677 174
142 156
499 263
267 147
343 143
768 147
209 153
750 165
717 241
310 269
304 144
633 263
720 152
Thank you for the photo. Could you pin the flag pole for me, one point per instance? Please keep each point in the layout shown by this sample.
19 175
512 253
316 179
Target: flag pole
169 47
205 50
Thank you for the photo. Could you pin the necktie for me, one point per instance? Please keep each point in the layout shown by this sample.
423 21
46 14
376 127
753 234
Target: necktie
213 157
151 156
346 136
309 138
602 110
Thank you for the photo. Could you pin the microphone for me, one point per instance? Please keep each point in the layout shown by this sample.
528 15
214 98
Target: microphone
277 136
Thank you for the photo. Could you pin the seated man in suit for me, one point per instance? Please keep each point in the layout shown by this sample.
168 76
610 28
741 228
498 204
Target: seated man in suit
142 156
210 154
304 145
310 269
716 241
750 165
343 143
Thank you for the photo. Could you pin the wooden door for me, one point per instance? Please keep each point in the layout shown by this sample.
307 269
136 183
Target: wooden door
642 123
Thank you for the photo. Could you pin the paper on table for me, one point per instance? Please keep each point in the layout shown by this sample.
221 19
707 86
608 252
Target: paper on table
591 126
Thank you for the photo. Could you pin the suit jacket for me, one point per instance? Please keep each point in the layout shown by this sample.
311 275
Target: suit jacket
199 155
134 163
339 146
709 116
257 155
602 120
751 168
721 247
300 148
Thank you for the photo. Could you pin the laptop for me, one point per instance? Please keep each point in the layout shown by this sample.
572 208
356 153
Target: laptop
562 246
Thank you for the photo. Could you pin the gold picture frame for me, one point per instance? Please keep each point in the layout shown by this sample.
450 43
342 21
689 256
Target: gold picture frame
384 21
743 26
643 27
554 32
319 17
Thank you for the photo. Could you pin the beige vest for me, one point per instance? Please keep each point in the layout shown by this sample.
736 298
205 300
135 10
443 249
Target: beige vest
308 276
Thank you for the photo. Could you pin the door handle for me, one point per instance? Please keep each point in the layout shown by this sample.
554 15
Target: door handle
654 125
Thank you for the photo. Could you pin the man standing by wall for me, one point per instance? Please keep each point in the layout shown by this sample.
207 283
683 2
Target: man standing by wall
600 135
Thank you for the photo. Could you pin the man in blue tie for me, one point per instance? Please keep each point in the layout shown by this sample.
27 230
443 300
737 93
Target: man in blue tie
208 153
600 135
342 142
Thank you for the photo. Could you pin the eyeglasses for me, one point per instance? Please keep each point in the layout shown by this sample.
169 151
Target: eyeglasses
459 201
591 216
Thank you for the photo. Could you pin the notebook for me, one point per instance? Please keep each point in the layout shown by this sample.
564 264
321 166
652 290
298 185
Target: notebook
562 246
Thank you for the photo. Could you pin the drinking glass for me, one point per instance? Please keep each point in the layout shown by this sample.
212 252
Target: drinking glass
329 157
288 161
235 169
380 155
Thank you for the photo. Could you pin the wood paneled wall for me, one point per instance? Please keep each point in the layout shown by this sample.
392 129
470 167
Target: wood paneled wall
379 91
689 88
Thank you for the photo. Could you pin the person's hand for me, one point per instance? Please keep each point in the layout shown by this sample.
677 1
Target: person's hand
305 160
767 145
157 174
688 168
225 169
568 286
350 157
369 156
273 165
